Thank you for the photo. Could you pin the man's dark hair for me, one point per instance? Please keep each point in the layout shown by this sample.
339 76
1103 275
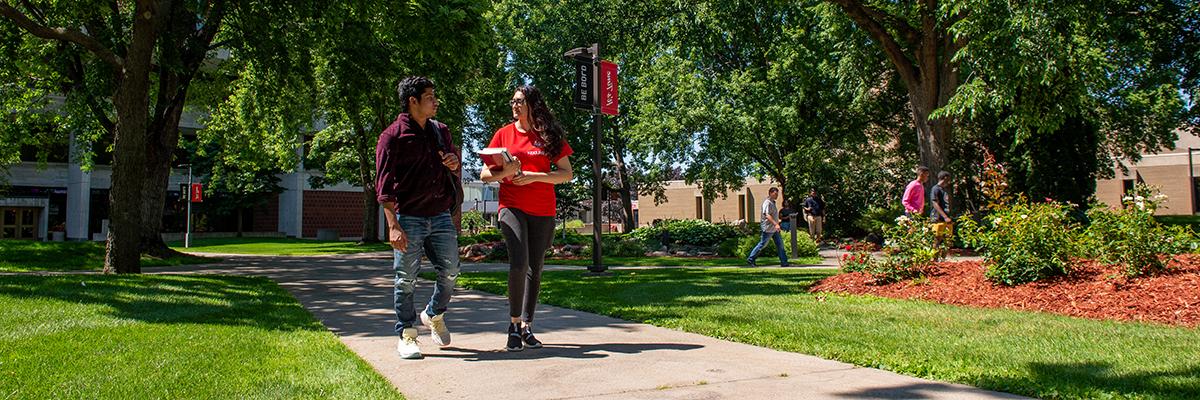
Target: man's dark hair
412 86
773 190
921 169
943 175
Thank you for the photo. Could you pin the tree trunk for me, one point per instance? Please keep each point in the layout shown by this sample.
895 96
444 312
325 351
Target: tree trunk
131 101
180 44
370 215
240 217
626 188
923 56
366 175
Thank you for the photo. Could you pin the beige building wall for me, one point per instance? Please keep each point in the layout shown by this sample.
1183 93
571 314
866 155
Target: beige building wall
1168 170
685 202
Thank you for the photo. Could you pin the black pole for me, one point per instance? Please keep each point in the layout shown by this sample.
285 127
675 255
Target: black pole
1192 180
597 120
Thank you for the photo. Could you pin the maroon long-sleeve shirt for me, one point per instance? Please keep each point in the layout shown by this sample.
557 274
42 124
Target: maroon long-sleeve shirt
409 170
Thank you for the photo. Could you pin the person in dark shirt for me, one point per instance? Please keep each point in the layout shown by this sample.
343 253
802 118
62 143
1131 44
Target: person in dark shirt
785 216
416 166
814 214
939 214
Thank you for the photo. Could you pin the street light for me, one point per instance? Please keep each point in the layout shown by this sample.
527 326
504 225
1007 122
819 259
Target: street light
187 234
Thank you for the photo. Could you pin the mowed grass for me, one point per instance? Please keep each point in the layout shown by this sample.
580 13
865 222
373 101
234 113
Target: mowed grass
669 261
28 256
1034 354
155 336
277 246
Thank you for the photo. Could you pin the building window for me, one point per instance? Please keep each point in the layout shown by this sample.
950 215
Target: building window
699 207
741 206
1127 188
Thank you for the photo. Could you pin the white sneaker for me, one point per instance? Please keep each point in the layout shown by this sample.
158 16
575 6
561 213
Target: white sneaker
407 347
437 326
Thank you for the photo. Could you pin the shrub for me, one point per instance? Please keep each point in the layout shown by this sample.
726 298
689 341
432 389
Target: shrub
729 248
473 221
908 253
692 232
876 218
489 235
1022 241
806 246
1132 237
617 246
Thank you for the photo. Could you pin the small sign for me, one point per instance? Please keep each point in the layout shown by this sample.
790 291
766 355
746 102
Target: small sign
584 84
608 87
634 205
197 193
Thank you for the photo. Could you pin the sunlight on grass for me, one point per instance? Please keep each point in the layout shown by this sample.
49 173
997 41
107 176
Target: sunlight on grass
1027 353
157 336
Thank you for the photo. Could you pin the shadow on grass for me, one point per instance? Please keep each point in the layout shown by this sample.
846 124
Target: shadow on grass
23 256
1092 379
162 299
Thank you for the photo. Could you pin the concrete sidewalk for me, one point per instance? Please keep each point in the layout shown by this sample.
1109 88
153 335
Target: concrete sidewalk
586 355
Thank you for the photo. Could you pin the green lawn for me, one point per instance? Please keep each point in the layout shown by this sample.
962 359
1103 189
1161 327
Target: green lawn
681 261
277 246
26 256
1035 354
154 336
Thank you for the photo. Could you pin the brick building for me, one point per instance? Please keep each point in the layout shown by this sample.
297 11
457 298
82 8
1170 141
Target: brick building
1173 171
685 201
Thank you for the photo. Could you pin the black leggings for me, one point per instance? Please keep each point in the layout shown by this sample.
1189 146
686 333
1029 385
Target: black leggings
527 238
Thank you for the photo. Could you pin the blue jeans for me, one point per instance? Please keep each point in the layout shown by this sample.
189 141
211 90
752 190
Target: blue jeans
437 237
775 236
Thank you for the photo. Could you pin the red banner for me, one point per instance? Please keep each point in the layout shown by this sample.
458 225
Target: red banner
197 193
608 87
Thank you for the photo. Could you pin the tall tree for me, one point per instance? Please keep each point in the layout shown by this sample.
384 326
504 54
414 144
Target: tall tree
125 49
349 57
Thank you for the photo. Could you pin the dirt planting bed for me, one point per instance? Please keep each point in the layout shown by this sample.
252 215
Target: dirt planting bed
1092 290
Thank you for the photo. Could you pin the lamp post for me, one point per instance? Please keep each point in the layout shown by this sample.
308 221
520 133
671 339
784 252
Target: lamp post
187 234
588 63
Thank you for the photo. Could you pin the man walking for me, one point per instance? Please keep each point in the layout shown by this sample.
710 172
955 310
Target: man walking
415 165
814 214
914 194
770 230
939 198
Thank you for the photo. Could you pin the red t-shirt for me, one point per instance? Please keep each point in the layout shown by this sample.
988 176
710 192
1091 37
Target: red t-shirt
536 198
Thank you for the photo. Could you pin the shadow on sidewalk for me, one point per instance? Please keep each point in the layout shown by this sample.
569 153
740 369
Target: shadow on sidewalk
563 350
912 391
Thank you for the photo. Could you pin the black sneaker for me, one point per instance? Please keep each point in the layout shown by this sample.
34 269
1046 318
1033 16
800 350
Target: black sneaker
514 339
530 341
750 262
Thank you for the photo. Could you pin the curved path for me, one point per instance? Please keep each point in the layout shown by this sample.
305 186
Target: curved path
587 356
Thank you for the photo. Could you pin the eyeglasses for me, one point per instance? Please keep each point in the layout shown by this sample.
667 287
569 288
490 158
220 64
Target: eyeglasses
516 102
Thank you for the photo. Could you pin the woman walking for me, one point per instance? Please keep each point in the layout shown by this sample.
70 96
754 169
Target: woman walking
527 204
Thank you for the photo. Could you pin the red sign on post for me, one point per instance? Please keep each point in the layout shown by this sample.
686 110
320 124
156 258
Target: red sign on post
608 87
197 193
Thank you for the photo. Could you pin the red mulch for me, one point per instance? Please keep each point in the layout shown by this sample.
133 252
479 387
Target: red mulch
1093 290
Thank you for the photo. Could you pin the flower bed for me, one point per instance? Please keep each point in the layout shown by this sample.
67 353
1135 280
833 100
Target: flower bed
1092 290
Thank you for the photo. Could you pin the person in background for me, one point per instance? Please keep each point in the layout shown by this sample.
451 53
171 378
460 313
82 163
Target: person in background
814 214
939 213
914 194
770 230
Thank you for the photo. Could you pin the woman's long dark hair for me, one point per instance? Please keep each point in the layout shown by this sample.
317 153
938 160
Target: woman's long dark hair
543 121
